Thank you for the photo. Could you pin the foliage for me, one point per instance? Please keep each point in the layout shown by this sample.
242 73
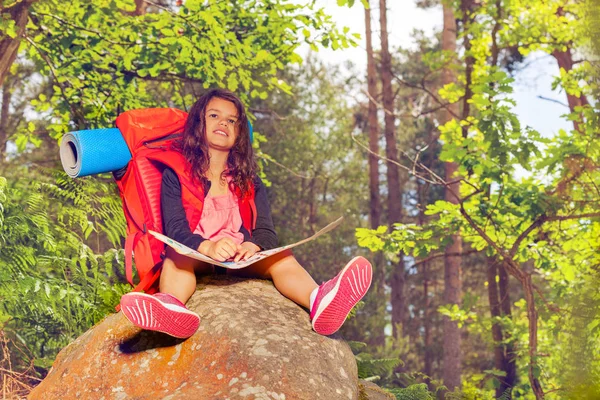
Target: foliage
315 174
53 286
417 391
105 56
544 222
378 369
94 60
525 199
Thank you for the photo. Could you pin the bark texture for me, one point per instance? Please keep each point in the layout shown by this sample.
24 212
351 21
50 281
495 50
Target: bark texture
510 357
378 338
4 115
9 47
565 61
373 128
504 357
452 264
394 199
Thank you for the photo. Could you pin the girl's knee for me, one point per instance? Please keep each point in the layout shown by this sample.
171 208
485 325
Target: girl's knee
179 261
282 260
282 257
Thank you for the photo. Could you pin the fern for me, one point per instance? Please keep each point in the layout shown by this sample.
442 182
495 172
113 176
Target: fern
418 391
381 367
53 286
370 368
356 347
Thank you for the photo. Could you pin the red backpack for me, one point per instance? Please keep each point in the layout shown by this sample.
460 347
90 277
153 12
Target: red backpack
149 134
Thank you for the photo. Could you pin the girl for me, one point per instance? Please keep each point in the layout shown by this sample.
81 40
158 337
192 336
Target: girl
216 143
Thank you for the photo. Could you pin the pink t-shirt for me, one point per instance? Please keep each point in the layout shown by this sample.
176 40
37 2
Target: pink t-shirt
221 218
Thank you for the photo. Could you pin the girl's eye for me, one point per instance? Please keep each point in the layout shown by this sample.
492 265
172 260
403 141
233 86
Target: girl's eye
212 115
232 121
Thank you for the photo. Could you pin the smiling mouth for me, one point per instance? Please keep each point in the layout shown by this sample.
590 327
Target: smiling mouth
220 132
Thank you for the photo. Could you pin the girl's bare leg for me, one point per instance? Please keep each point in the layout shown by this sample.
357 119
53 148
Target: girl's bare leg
288 276
178 276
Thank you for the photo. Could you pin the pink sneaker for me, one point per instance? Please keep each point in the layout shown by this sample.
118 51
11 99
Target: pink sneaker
160 312
336 297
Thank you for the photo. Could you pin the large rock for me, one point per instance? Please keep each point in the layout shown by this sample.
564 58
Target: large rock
252 343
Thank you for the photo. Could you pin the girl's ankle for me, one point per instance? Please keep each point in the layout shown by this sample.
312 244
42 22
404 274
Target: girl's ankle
170 299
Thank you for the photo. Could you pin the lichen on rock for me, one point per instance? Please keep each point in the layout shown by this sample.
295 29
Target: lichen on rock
252 343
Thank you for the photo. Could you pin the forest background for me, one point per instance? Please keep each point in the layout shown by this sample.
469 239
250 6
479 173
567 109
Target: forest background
484 233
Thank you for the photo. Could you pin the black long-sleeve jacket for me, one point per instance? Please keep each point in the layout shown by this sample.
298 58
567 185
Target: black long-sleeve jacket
177 227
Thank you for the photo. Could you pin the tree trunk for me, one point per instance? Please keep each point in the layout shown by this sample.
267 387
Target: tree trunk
6 96
140 7
500 356
374 198
510 357
427 337
565 61
9 47
394 200
452 264
378 338
532 316
512 267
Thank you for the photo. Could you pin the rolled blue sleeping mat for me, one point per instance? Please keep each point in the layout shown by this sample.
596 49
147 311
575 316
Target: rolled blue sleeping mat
93 151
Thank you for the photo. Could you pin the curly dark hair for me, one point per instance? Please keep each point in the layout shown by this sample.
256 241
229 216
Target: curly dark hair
241 165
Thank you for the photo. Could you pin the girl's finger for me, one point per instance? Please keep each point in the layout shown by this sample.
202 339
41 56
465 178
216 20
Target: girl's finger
249 254
230 250
223 254
229 246
239 255
229 242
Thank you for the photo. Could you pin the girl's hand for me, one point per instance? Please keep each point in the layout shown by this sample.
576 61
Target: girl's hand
248 249
221 250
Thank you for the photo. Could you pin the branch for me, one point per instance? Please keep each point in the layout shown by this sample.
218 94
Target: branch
510 264
538 222
163 76
176 15
263 111
379 105
578 216
433 96
101 35
431 110
76 113
553 390
20 374
396 163
284 167
551 307
553 100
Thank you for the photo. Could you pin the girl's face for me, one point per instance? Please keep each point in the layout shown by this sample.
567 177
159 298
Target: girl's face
222 129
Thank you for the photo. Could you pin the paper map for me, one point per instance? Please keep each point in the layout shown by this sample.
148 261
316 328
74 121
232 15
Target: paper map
181 249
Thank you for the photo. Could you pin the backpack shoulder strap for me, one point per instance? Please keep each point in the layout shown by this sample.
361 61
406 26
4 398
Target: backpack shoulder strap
177 162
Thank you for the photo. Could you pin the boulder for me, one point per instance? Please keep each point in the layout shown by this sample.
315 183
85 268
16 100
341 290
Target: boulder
252 343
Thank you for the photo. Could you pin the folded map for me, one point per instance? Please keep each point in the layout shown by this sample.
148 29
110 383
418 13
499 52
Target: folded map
181 249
